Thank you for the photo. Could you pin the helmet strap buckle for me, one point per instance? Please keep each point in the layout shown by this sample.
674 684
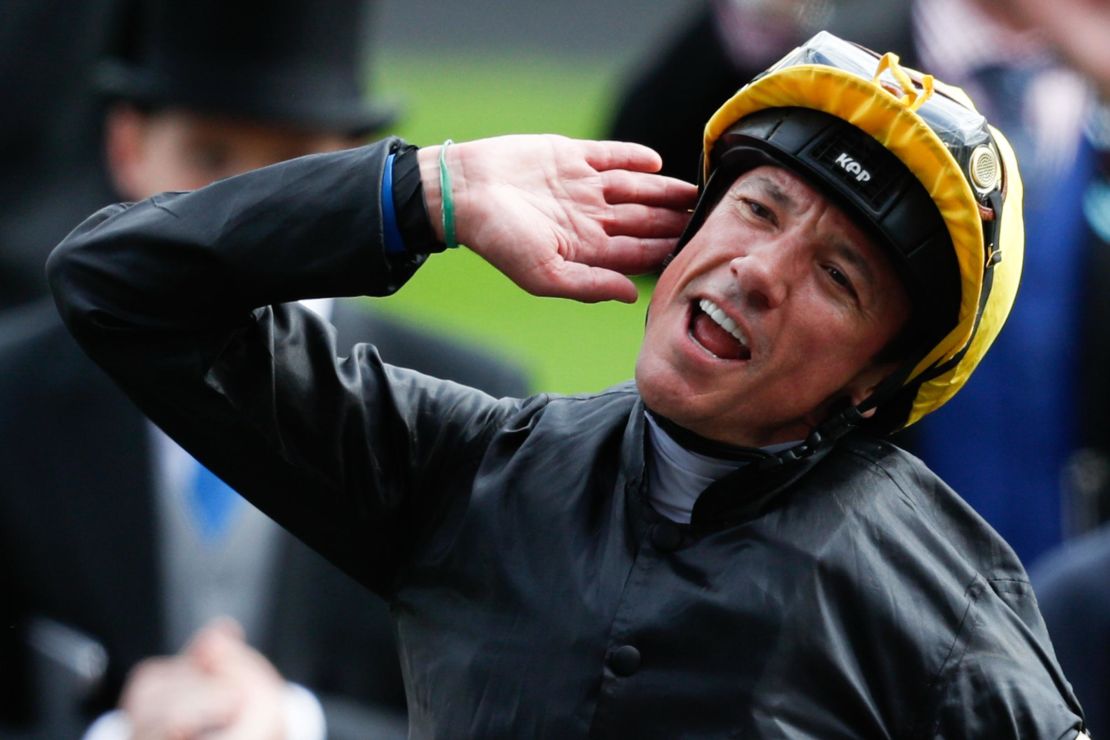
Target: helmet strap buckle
993 229
823 436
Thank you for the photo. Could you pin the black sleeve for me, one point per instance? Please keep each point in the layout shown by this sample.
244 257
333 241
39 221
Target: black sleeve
991 686
180 299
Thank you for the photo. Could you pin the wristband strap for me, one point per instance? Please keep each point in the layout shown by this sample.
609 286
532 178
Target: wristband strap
394 243
447 205
413 220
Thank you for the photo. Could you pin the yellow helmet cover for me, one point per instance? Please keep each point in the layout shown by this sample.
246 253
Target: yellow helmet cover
967 168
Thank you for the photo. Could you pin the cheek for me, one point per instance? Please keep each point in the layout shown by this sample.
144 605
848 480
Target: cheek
665 287
678 275
652 381
661 307
171 171
822 351
829 360
660 380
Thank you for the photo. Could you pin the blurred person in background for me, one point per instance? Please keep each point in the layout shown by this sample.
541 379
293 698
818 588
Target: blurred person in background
131 575
724 44
51 170
1026 442
1073 580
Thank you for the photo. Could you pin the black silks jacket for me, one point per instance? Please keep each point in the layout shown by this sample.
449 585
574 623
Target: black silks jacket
535 592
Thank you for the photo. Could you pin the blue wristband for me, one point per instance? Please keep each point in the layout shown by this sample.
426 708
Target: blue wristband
394 242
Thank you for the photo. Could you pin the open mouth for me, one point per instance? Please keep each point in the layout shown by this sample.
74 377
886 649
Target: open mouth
717 333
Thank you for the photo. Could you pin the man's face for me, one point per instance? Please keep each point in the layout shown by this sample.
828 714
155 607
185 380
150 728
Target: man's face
769 317
179 150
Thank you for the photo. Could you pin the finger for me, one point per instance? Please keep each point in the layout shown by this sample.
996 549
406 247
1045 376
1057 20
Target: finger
227 626
621 155
630 255
199 713
584 283
146 679
622 186
646 221
215 642
204 709
169 697
223 625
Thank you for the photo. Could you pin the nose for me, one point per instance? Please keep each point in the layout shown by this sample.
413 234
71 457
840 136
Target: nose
762 274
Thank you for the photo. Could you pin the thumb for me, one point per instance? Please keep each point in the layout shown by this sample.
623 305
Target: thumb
214 641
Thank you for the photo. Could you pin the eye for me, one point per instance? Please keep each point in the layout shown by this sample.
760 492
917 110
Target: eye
841 279
760 211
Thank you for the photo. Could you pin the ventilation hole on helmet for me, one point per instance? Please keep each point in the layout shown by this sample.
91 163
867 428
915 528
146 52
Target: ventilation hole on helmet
984 169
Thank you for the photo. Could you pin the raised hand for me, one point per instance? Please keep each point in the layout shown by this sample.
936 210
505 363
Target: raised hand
561 217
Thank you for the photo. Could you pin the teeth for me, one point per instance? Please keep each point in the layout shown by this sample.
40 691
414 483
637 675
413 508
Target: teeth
713 311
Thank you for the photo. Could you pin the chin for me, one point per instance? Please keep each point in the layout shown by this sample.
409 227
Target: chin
664 392
658 384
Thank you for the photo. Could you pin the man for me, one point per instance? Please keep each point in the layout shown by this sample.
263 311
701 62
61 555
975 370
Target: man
144 560
1036 473
707 553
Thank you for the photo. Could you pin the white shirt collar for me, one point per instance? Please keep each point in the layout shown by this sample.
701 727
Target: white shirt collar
677 476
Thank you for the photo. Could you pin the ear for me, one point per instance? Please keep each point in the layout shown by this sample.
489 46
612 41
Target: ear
125 130
864 384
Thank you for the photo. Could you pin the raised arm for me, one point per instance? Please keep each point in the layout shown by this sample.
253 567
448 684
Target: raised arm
177 298
560 217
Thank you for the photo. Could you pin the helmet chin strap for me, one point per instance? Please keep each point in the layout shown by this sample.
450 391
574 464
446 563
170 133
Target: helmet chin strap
826 434
823 435
768 472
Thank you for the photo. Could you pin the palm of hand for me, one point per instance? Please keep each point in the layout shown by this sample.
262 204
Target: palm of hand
571 218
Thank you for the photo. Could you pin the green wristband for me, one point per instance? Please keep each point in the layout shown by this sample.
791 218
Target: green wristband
446 204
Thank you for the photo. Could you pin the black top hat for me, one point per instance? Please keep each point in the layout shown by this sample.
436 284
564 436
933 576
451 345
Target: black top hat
285 61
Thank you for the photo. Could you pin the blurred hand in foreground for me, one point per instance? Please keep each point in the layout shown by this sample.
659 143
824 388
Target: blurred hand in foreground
217 687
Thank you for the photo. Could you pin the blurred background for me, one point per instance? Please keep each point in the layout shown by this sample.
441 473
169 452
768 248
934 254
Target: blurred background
1027 444
488 67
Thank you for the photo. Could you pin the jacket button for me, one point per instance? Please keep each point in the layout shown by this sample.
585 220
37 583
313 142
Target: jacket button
666 537
625 660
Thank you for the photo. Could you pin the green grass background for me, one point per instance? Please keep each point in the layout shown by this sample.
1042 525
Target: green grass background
566 346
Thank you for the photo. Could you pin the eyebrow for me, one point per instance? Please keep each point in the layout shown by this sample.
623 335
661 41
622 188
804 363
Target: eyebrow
775 193
845 250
